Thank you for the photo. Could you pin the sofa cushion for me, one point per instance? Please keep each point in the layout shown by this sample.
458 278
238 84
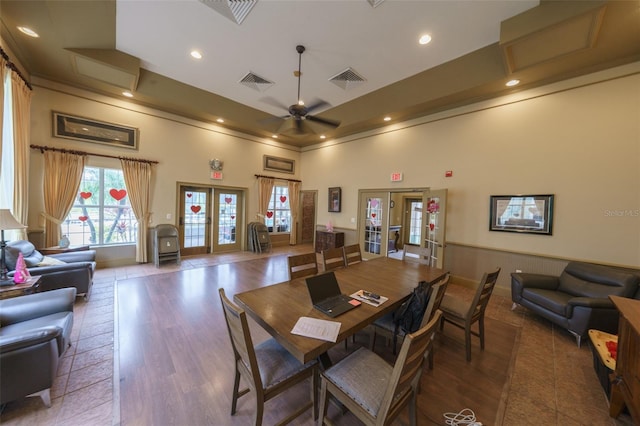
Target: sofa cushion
554 301
50 261
599 281
31 256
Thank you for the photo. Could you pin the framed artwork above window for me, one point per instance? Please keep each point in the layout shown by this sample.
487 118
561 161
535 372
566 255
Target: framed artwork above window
89 130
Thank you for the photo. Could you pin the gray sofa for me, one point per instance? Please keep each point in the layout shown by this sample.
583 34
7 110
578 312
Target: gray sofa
577 300
74 269
35 330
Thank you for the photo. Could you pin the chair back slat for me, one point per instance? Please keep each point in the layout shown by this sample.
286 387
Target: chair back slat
483 294
416 254
302 265
352 254
333 258
436 295
408 366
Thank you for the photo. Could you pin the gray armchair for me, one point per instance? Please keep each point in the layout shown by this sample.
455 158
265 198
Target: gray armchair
74 269
35 331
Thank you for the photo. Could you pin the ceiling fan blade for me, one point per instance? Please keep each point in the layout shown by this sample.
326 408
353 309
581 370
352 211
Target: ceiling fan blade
274 102
318 103
325 121
298 130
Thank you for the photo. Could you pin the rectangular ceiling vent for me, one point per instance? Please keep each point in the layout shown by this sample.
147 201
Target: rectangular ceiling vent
236 10
255 82
347 79
375 3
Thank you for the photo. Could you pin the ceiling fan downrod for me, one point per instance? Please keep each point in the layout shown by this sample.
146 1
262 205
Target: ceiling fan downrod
300 49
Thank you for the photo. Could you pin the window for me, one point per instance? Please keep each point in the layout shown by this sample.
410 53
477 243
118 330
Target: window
101 214
279 213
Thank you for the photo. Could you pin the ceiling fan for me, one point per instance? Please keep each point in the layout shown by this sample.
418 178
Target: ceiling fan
300 112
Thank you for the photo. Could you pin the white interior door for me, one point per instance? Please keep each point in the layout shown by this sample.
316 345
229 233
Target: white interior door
435 215
374 224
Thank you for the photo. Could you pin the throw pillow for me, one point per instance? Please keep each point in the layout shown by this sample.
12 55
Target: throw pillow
50 261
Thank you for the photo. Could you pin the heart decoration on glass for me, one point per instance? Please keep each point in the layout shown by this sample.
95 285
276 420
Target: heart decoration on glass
228 200
118 194
373 215
232 217
283 199
432 226
85 195
189 195
374 204
196 209
83 218
269 215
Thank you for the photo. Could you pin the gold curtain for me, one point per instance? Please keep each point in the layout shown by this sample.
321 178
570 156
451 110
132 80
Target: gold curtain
137 178
21 95
265 186
62 176
3 73
294 200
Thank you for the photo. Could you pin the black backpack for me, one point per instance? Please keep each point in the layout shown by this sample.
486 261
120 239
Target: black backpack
409 315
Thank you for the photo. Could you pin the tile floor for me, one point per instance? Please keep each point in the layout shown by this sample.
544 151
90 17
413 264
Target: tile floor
553 381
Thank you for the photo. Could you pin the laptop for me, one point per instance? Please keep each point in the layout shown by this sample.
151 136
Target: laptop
326 296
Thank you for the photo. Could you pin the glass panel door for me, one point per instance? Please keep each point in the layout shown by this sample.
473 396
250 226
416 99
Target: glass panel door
415 221
227 229
435 224
374 218
195 220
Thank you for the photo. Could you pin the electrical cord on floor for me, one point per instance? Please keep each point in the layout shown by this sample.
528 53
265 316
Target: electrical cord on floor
465 417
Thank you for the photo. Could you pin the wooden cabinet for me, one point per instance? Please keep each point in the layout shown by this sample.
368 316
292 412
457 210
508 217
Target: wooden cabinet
326 240
625 387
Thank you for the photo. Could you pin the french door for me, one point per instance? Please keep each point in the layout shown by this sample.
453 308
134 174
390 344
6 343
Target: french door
374 216
194 221
435 214
227 220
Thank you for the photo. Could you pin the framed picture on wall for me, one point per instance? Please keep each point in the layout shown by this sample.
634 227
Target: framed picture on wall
335 199
531 214
89 130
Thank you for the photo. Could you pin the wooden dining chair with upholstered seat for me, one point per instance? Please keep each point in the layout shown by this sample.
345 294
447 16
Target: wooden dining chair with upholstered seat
463 314
268 369
333 258
417 254
302 265
352 254
374 391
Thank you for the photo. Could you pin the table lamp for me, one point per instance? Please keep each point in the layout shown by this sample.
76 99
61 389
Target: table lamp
7 221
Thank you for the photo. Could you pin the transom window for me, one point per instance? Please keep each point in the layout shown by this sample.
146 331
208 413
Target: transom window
101 213
278 217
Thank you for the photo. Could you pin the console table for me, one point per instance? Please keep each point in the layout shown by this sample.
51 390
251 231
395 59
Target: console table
326 240
30 287
625 386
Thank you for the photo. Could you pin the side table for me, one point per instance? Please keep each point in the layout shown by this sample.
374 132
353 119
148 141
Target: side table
55 250
31 286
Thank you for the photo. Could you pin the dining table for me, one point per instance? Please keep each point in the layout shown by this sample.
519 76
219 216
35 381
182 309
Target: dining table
278 307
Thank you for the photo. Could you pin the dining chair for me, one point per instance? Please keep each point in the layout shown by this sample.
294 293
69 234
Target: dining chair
302 265
352 254
374 391
463 314
416 254
386 326
333 258
268 368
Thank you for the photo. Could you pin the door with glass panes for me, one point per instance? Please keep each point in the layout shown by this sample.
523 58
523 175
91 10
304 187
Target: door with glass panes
374 209
194 222
227 220
435 214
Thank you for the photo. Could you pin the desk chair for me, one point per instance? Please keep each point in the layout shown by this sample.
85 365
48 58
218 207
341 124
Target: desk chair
416 254
463 314
356 380
386 327
302 265
333 258
268 369
352 254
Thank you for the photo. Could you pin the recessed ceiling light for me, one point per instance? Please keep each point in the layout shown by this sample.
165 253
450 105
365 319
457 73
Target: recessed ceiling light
220 120
28 31
196 54
512 83
323 137
424 39
387 119
274 136
127 94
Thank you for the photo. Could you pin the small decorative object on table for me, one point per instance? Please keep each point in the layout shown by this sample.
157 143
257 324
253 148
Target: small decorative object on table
64 242
21 274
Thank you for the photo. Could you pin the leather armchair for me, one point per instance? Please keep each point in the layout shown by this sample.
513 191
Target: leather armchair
35 331
74 269
577 300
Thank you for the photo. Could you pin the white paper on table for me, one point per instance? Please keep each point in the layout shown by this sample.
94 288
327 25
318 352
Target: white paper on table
359 295
317 329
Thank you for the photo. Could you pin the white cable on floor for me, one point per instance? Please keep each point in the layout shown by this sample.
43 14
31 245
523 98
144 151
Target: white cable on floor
463 417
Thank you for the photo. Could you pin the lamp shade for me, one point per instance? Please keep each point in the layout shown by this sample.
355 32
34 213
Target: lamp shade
7 221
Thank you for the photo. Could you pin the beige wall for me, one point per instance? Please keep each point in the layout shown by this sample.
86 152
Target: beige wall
581 144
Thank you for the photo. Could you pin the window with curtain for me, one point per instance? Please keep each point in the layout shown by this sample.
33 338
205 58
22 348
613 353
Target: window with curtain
278 217
101 213
6 178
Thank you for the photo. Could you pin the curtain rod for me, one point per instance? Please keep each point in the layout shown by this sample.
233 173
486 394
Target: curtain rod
48 148
14 68
277 178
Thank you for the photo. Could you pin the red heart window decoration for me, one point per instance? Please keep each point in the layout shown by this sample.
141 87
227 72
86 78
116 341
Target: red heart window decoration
373 215
228 200
83 218
431 226
85 195
283 199
233 217
196 209
269 215
189 195
118 194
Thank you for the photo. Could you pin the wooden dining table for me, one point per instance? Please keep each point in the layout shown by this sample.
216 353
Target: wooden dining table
278 307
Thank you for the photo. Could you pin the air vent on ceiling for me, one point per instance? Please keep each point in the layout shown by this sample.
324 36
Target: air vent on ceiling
236 10
375 3
255 82
347 79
